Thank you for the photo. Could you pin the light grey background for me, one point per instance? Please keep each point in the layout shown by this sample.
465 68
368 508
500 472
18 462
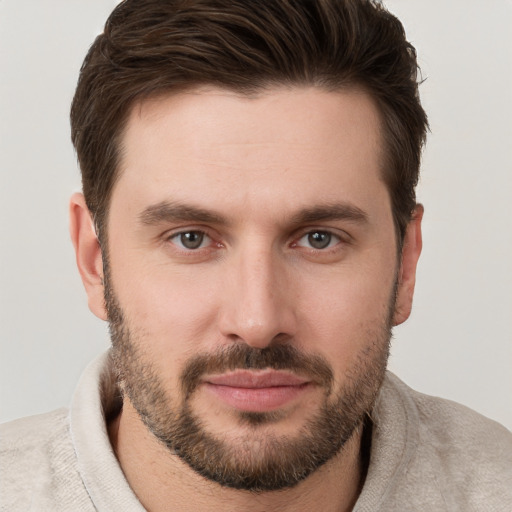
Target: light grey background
458 342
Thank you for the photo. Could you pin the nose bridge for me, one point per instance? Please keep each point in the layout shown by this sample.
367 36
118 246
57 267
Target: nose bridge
258 307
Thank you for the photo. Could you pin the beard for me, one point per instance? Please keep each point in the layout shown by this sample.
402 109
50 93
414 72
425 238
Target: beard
259 460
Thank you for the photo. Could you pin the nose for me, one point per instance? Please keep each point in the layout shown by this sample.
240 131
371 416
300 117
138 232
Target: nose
258 305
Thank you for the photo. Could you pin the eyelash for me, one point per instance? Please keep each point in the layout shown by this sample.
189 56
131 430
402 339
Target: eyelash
331 237
340 239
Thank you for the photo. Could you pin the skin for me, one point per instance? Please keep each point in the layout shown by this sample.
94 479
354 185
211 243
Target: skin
258 164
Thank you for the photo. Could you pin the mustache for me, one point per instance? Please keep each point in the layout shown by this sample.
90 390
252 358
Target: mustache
244 357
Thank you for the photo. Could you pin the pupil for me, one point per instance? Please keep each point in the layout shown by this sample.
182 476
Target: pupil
192 239
319 239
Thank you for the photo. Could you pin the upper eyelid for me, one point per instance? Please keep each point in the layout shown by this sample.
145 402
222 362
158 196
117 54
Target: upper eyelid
182 232
339 238
170 233
339 233
328 231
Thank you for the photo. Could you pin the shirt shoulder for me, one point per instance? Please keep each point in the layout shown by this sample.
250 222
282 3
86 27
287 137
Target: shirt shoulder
38 468
465 456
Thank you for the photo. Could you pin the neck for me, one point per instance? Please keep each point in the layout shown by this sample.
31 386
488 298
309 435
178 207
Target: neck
162 481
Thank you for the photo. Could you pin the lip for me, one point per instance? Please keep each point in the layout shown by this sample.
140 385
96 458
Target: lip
256 390
256 379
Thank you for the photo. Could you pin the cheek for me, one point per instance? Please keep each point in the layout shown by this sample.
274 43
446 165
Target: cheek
172 312
345 316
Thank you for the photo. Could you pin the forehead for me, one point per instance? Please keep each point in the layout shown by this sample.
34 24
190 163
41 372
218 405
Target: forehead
276 148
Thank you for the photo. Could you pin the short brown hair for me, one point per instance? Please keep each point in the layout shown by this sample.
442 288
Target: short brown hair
152 47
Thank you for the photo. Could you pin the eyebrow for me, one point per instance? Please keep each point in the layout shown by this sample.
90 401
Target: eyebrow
336 211
167 211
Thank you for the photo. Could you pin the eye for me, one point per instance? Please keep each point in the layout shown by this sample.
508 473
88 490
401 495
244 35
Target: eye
191 240
318 240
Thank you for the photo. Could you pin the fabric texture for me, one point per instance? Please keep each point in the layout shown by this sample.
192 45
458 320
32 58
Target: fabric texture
426 454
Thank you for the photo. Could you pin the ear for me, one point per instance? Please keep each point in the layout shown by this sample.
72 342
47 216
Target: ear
407 274
88 253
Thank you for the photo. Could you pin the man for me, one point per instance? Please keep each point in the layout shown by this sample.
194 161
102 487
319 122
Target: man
249 229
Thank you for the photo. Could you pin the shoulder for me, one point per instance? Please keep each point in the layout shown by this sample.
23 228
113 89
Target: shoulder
38 466
467 422
29 431
455 428
468 456
33 439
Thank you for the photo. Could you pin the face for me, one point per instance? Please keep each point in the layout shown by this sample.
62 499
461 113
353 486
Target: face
251 277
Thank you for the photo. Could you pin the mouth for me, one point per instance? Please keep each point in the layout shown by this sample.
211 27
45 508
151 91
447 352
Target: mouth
257 390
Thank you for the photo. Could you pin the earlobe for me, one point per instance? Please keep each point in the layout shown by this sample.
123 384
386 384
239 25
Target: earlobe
407 273
88 253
